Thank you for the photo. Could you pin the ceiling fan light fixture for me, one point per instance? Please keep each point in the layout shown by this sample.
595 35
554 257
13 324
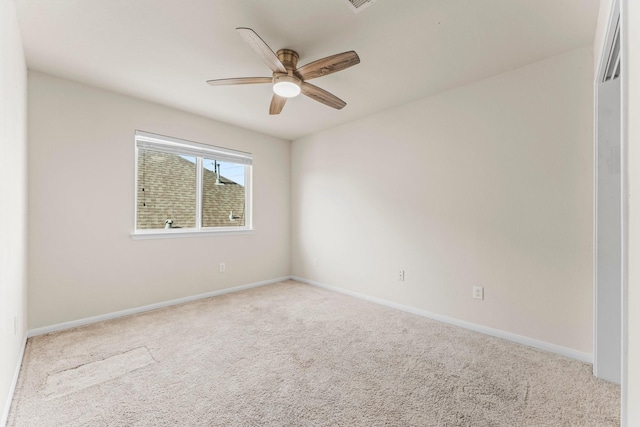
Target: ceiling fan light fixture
287 79
286 86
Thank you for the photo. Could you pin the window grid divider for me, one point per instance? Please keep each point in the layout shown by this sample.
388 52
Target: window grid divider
199 185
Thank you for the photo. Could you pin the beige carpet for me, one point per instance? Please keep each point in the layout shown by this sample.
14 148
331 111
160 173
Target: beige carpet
294 355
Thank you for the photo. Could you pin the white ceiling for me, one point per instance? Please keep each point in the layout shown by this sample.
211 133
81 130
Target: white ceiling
165 50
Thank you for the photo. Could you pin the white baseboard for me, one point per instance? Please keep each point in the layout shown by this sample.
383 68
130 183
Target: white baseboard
542 345
14 382
142 309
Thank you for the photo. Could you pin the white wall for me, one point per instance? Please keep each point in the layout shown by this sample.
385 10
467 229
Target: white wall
631 101
489 184
13 200
82 260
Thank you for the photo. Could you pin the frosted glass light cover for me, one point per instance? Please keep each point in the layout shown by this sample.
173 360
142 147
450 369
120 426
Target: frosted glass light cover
286 86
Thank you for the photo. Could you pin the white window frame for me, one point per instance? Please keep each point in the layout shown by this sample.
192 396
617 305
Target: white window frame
167 144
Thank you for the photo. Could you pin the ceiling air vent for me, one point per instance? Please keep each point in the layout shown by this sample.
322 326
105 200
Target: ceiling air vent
359 5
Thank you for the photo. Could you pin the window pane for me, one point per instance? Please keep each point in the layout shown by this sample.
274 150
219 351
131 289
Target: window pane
166 190
223 194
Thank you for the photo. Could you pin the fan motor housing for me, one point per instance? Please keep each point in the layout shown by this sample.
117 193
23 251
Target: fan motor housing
289 58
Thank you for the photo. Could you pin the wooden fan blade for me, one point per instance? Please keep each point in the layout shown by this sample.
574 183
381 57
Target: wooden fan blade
277 104
321 95
328 65
262 49
240 81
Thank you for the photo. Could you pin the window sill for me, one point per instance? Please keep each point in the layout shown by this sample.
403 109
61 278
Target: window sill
175 233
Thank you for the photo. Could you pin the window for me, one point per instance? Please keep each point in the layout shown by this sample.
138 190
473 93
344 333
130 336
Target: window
187 187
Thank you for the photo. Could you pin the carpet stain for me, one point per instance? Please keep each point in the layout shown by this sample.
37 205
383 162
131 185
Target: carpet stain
89 374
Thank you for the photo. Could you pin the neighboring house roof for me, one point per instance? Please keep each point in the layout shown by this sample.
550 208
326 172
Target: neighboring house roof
167 190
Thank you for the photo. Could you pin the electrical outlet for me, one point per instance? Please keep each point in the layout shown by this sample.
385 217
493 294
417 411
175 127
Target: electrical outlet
401 276
478 292
315 261
223 267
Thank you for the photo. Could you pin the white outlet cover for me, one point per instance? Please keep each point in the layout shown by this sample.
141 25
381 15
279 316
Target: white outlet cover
478 292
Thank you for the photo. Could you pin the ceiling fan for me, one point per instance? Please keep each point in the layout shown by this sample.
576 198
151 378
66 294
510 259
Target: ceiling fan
288 80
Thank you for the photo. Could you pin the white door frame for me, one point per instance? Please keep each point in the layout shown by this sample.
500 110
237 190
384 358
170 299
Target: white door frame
608 315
